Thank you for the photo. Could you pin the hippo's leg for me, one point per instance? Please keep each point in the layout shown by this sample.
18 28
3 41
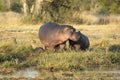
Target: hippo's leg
62 46
57 47
84 48
44 47
76 47
71 45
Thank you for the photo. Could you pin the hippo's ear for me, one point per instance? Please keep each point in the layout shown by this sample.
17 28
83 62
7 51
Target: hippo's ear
79 32
69 30
66 29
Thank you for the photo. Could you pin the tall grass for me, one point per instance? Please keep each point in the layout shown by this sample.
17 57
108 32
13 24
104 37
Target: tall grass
15 19
92 19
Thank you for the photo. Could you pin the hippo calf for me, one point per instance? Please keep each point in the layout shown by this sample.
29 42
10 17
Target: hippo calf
53 35
81 44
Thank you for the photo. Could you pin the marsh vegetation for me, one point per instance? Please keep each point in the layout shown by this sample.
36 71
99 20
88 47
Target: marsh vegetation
16 52
100 23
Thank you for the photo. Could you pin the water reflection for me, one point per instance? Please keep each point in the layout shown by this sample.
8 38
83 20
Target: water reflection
3 76
103 68
26 73
118 78
32 73
29 73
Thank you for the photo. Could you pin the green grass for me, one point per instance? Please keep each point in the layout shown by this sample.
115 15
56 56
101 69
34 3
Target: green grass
104 50
60 63
20 56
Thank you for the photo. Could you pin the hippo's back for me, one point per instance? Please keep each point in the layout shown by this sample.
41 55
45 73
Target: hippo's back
48 27
49 33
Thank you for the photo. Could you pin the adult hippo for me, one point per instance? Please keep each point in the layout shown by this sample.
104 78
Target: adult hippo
81 44
53 35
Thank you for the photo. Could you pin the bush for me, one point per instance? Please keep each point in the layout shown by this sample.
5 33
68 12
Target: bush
115 48
16 7
67 11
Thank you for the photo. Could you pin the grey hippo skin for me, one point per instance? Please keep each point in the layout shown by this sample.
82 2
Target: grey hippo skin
81 44
54 35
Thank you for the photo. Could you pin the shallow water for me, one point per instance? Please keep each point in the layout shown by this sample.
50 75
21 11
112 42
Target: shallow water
33 73
28 73
103 68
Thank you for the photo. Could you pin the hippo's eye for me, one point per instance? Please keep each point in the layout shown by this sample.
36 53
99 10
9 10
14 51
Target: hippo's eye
72 31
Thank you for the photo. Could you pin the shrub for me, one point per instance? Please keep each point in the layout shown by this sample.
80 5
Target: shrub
115 48
16 7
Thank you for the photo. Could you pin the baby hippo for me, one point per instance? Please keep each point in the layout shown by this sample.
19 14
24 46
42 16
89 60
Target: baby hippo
81 44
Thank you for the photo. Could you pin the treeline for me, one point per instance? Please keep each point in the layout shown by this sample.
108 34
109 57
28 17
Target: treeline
64 10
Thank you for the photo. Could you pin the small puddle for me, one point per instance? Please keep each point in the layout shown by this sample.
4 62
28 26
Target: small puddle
26 73
106 68
32 73
118 78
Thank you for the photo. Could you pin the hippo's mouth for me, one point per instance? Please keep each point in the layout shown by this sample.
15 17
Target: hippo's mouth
75 37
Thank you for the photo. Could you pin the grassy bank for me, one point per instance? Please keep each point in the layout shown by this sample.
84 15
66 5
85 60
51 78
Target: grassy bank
64 60
16 51
60 65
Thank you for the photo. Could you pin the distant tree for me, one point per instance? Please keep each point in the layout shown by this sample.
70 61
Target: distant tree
109 6
59 11
67 10
30 3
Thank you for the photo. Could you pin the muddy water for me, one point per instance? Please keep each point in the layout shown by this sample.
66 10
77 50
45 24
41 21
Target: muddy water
33 73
